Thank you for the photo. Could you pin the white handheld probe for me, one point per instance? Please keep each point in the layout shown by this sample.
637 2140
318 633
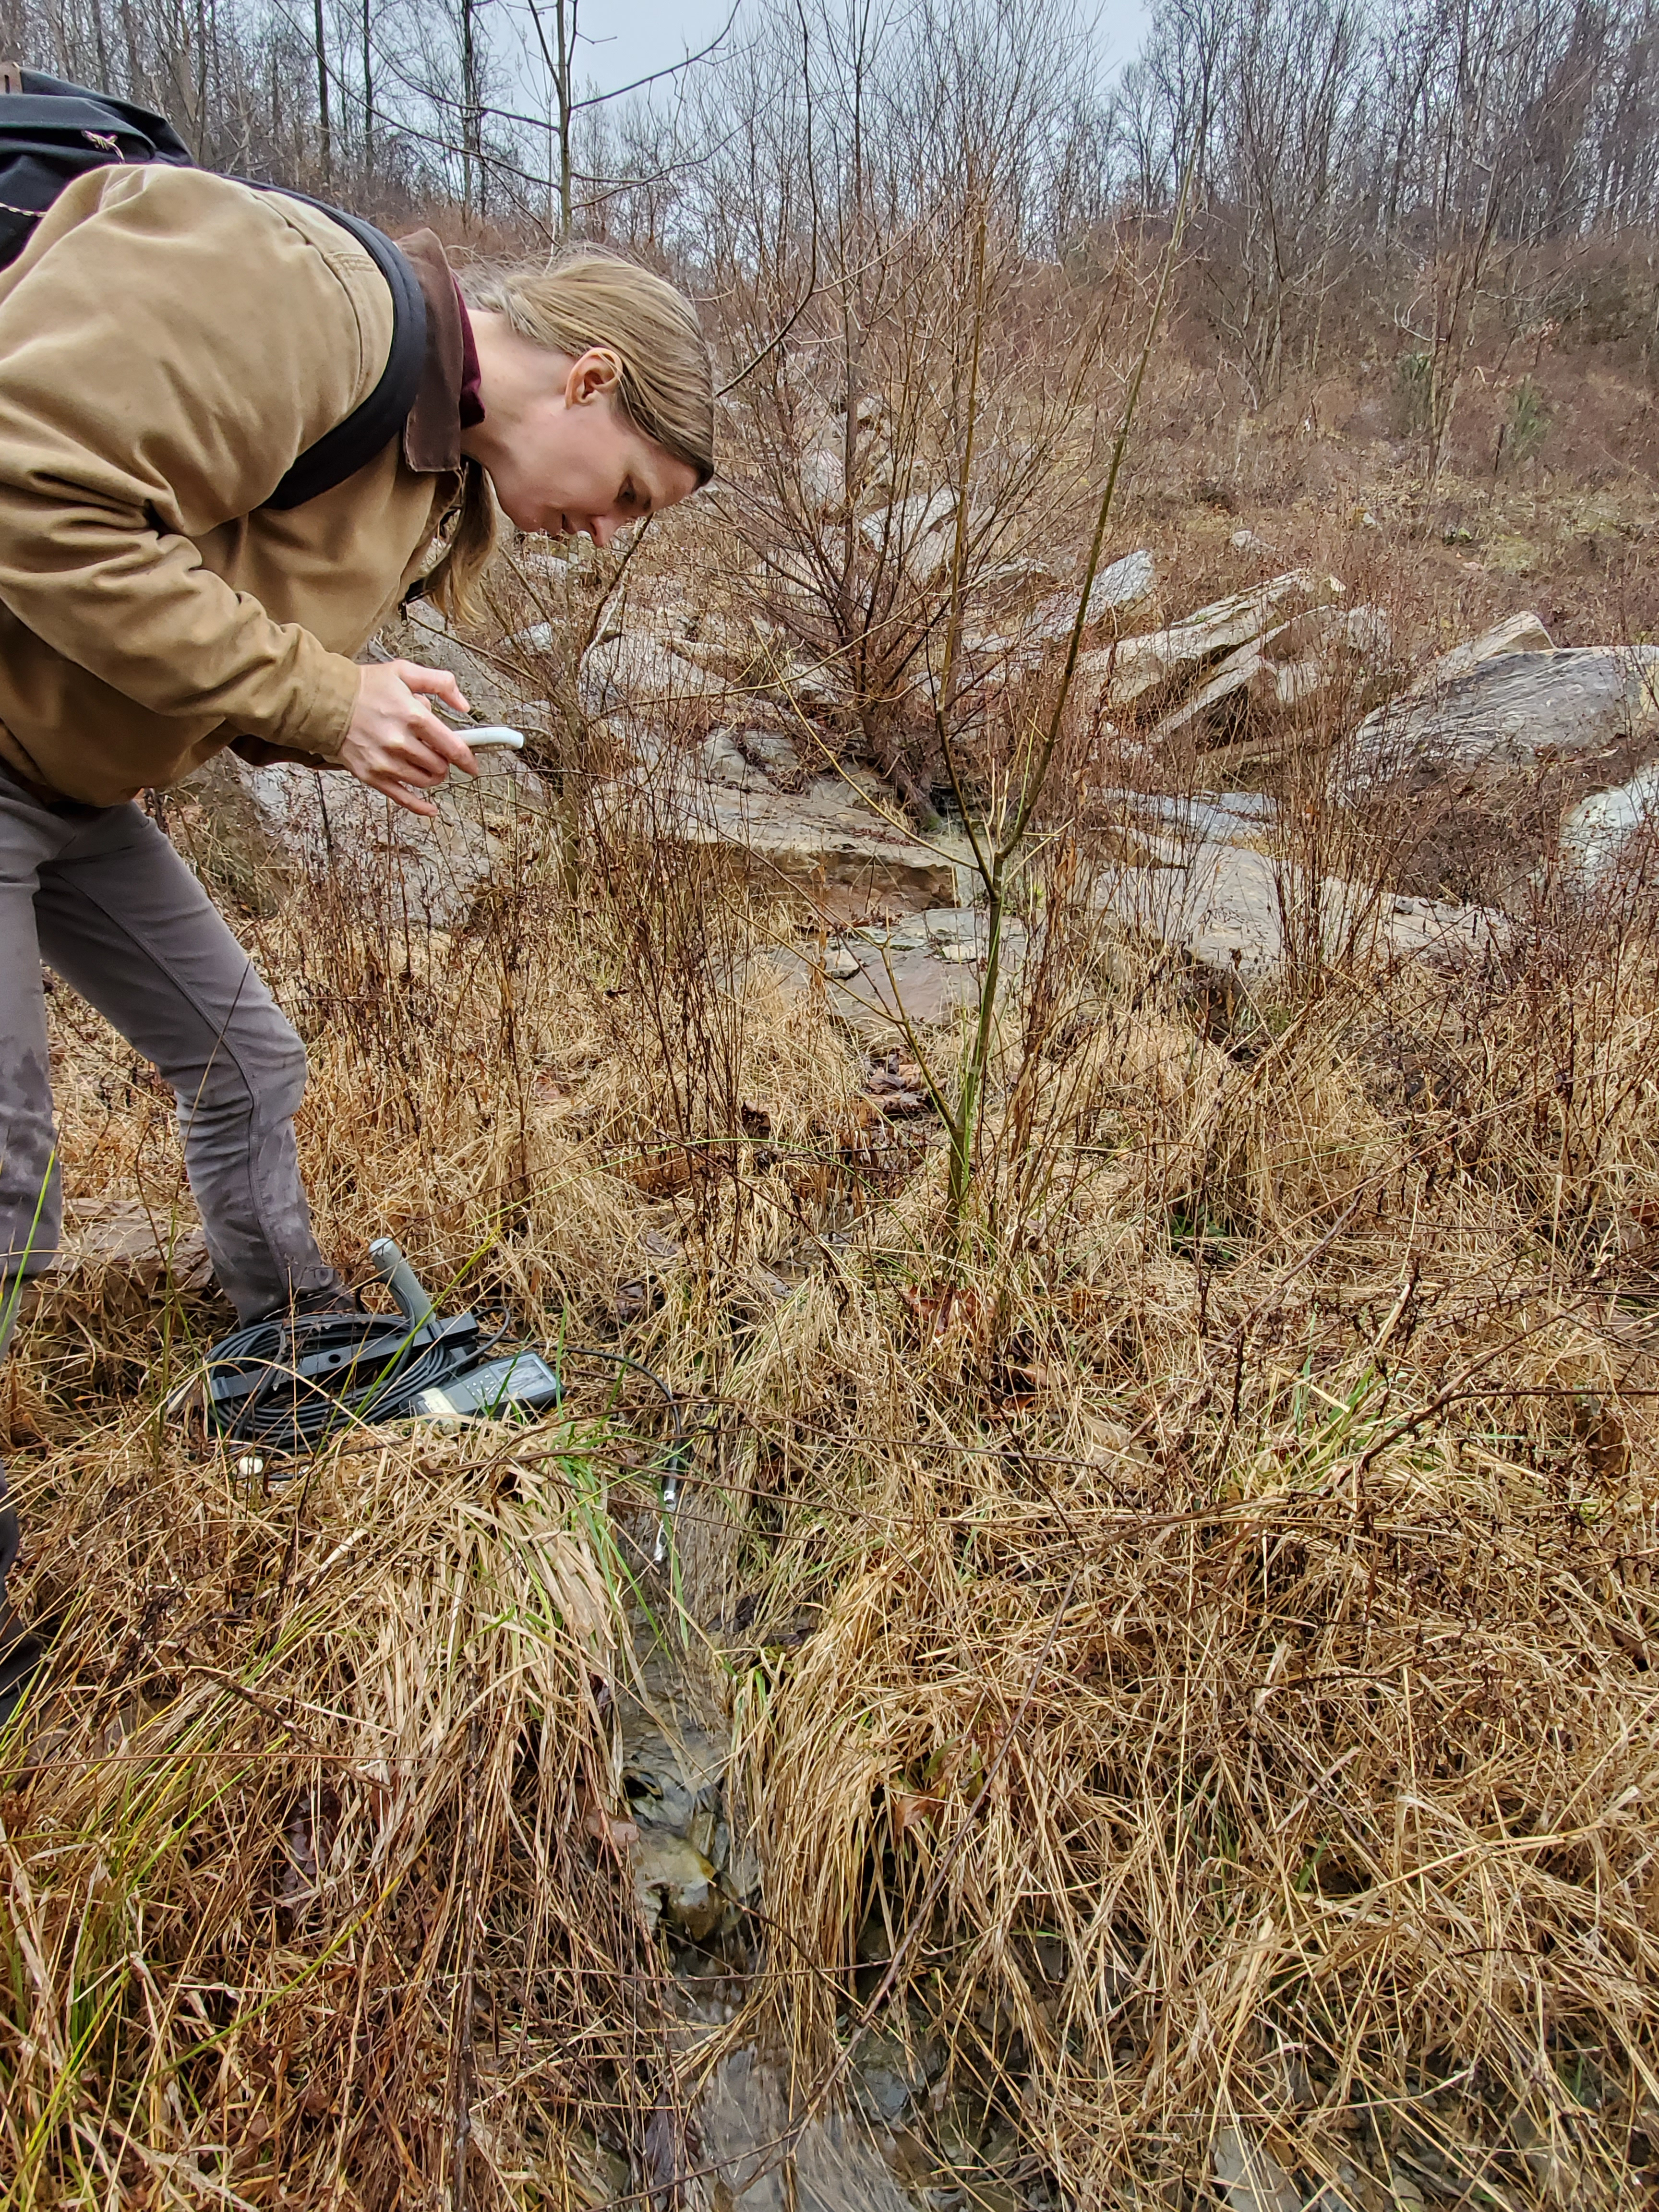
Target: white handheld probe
496 734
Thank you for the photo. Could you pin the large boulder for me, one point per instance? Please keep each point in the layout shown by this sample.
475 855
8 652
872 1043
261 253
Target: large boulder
1471 772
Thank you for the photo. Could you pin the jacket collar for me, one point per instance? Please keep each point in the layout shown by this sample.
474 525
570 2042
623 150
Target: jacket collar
432 431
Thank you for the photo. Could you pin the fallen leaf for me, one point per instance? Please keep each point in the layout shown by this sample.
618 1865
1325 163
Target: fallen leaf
908 1806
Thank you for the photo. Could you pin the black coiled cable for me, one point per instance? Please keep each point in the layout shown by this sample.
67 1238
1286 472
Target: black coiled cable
289 1383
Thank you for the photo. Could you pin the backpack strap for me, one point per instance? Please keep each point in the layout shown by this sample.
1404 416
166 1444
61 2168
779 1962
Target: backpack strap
378 419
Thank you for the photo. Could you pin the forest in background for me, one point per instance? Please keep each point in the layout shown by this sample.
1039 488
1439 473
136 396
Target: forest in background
1416 156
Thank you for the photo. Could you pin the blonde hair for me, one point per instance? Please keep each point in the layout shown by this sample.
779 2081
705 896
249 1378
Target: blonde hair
665 388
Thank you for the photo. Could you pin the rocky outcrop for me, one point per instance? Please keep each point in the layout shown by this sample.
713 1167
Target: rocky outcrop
1117 676
1284 668
1479 720
1117 590
925 971
393 864
1234 912
745 792
1505 752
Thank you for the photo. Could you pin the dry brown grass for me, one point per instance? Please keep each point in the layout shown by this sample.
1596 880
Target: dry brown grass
1202 1634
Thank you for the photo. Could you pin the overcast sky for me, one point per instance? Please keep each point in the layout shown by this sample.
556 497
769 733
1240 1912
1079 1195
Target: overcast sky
633 37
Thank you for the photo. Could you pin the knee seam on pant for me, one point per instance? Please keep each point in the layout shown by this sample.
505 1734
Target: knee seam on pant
291 1045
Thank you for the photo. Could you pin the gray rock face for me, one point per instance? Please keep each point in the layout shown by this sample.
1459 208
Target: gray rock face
490 690
926 971
1119 674
1508 711
640 673
830 2164
1226 908
1116 589
1600 831
825 837
1283 667
392 862
1484 763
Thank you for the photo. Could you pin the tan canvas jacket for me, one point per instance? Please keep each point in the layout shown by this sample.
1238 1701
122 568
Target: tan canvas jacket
170 343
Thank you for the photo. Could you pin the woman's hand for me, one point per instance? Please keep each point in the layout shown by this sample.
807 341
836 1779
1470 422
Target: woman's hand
395 744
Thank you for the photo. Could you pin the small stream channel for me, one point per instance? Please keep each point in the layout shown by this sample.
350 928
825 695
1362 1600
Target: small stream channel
895 2142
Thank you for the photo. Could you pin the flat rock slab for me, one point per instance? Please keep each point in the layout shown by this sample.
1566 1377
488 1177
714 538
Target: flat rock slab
928 969
868 995
1122 672
832 2164
124 1239
1225 910
822 837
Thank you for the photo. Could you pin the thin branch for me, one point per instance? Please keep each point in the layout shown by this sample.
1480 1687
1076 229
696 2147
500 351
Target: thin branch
599 100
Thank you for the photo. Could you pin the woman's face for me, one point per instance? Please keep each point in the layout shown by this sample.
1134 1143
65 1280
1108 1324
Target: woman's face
563 456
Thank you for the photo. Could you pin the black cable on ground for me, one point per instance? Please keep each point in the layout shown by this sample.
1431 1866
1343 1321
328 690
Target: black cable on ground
289 1383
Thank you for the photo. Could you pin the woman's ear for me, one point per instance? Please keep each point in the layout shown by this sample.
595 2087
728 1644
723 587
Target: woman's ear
599 372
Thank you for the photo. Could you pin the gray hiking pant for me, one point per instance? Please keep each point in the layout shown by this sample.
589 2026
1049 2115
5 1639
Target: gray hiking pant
101 896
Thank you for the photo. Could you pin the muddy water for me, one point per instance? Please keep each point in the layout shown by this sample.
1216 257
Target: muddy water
834 2166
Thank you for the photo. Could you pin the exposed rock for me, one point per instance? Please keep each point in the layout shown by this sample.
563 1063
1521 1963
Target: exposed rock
1252 548
1225 907
492 693
642 672
1479 768
823 479
215 822
1283 669
328 825
831 2164
1510 708
1119 674
868 992
1125 584
1522 633
825 837
927 969
1598 830
889 2074
751 760
1248 2177
919 530
149 1247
